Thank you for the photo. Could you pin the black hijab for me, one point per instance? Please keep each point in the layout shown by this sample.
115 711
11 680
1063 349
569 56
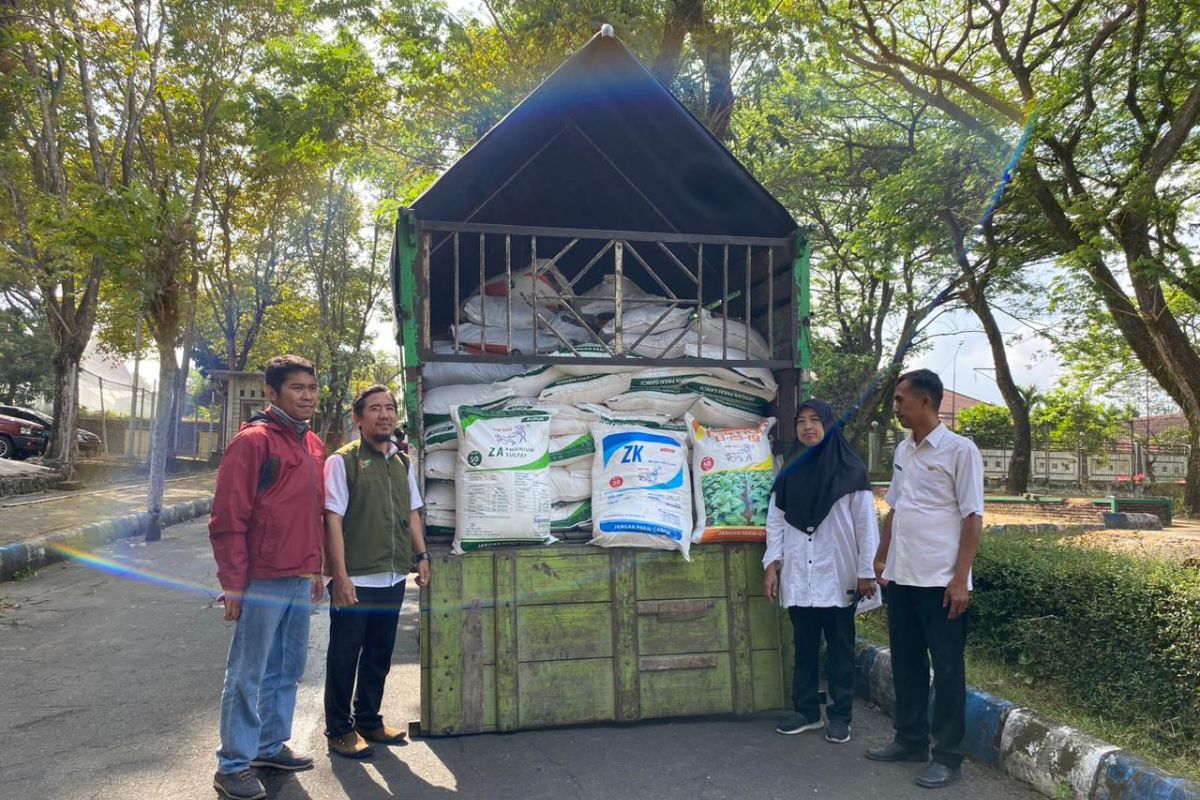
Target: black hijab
814 478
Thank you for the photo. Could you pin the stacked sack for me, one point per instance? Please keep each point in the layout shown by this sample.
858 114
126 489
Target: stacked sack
620 440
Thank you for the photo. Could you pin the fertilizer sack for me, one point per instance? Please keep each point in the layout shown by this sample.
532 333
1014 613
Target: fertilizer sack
571 516
733 471
438 429
641 493
503 488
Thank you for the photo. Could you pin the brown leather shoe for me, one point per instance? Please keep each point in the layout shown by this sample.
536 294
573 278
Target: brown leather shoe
384 734
349 745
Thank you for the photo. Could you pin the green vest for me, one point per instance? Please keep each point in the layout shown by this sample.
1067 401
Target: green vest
375 527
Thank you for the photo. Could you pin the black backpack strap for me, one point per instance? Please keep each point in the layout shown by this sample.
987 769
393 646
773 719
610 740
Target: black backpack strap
268 473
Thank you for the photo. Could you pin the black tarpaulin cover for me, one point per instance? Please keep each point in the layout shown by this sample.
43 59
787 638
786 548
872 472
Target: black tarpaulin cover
601 144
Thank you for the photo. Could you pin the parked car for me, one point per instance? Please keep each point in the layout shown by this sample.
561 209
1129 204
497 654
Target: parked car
88 442
21 438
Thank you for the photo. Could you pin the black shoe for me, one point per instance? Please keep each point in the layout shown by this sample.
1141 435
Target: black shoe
837 731
239 785
798 723
284 759
896 752
938 776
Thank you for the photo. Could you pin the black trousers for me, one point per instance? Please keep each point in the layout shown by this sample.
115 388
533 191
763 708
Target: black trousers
918 628
361 638
837 624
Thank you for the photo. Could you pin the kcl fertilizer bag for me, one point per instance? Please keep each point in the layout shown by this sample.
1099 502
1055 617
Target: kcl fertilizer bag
641 493
503 486
732 472
439 429
571 449
585 388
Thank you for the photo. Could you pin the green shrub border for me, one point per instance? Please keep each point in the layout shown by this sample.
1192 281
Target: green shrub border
1119 636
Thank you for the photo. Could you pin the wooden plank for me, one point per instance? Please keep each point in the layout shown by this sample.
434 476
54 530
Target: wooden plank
572 576
769 693
625 638
754 569
764 624
680 690
479 585
426 672
742 674
663 575
506 641
445 643
565 692
663 630
557 633
472 674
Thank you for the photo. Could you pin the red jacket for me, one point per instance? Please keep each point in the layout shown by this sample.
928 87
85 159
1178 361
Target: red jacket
276 532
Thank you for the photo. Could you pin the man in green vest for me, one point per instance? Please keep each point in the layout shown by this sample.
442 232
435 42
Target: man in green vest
373 539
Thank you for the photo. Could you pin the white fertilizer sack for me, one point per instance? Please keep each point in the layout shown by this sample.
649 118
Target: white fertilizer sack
570 484
639 319
439 495
571 449
733 471
585 353
571 516
575 389
729 405
641 492
503 486
564 420
439 430
441 465
662 391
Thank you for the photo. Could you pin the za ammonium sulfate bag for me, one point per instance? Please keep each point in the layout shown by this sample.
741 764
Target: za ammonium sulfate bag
641 492
734 471
503 487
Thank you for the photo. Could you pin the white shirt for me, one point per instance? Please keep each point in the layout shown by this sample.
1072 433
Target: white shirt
821 567
935 486
337 498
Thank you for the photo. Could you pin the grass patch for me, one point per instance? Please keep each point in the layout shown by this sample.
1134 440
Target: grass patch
24 574
990 673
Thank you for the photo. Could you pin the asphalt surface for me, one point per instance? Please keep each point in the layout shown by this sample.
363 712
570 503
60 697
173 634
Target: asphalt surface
111 680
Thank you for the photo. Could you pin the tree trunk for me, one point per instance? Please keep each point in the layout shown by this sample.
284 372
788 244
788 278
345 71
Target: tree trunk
1017 480
164 409
66 406
1191 489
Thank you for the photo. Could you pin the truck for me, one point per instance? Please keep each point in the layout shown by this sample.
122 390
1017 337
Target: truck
599 192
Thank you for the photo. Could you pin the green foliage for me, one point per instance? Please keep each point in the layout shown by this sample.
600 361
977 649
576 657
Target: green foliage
988 425
25 350
736 497
1075 422
1111 632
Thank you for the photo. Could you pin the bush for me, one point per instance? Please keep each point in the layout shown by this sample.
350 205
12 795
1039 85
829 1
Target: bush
1119 636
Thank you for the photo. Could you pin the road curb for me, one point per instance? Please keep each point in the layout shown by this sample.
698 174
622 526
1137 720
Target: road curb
48 549
1035 749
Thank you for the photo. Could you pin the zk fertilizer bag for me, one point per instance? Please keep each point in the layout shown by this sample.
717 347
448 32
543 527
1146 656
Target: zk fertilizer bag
641 493
734 471
503 488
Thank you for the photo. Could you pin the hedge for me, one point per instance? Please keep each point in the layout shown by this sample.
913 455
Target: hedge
1119 636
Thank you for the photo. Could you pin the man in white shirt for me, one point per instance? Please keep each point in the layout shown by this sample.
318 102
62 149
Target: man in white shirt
929 541
373 537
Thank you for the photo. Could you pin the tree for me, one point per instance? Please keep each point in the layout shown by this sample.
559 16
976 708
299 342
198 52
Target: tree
1111 96
25 349
987 425
1076 423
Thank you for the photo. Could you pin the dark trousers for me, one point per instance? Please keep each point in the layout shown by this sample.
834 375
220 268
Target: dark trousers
838 626
361 638
918 628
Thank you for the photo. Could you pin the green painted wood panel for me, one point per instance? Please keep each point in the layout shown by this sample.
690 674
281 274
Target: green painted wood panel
562 574
663 575
625 635
699 686
506 641
768 681
569 631
445 641
565 692
741 670
695 625
754 571
764 624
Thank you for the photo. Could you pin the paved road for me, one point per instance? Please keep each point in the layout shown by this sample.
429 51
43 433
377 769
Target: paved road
26 516
111 683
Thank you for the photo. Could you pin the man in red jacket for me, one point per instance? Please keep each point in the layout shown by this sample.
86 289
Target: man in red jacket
266 535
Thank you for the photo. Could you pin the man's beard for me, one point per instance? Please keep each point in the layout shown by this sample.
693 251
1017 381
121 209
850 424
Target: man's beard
380 438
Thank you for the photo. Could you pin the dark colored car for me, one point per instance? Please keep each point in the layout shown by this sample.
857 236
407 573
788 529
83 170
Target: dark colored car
21 438
88 442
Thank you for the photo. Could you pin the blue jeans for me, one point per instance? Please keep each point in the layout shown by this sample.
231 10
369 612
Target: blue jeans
266 661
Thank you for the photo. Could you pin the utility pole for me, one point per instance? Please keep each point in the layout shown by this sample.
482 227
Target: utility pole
131 449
